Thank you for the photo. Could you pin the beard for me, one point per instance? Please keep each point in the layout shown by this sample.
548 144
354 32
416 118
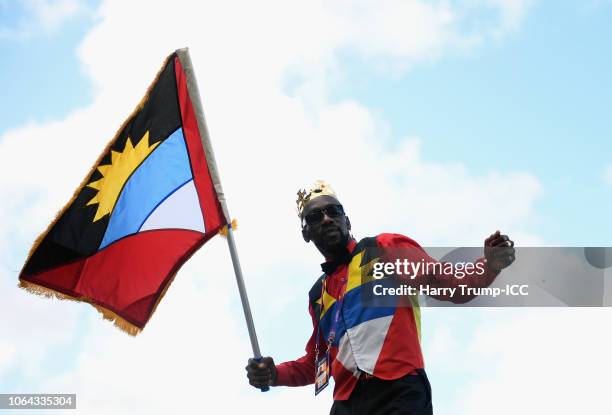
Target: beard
333 243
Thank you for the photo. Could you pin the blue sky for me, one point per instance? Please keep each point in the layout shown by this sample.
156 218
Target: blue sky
537 100
41 75
531 98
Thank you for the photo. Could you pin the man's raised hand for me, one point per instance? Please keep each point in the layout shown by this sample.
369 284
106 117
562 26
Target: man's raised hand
499 251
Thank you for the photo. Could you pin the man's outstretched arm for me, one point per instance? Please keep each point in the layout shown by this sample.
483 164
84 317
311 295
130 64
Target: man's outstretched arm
498 254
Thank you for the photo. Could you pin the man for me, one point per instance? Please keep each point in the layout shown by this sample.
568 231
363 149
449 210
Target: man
373 351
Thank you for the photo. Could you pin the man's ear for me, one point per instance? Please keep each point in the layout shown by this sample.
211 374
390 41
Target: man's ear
348 224
306 233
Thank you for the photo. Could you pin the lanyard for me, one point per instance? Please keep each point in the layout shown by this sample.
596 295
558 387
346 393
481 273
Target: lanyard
334 326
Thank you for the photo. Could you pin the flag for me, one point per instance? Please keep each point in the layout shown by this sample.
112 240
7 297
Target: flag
149 202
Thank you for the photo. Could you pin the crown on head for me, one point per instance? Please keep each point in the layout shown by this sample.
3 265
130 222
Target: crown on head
320 188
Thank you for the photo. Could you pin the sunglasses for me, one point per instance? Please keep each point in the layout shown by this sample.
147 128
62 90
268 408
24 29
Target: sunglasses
316 216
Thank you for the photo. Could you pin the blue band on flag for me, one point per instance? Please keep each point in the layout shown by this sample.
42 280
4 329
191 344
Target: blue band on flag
166 169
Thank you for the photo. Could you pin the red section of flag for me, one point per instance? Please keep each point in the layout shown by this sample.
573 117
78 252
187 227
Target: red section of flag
213 215
62 279
129 275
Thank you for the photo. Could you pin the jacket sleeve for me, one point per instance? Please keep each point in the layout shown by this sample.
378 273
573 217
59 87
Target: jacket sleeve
299 372
396 246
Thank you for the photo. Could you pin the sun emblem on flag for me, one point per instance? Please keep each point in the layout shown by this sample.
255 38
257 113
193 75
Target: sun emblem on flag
115 175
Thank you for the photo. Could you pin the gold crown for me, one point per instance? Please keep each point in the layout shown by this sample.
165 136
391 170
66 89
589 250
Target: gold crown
320 188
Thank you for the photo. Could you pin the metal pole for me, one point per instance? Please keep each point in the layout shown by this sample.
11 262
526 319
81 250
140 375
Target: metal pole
243 294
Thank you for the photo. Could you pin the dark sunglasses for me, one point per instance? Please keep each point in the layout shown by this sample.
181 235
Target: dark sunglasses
316 216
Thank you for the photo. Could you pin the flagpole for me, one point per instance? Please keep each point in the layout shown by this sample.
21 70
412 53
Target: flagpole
243 294
194 93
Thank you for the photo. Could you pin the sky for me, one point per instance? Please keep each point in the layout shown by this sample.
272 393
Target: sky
440 120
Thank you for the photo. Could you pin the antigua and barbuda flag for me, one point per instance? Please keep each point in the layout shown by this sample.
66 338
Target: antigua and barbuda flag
150 201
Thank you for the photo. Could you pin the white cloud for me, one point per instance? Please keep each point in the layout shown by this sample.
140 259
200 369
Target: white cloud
7 352
533 374
267 142
29 322
530 360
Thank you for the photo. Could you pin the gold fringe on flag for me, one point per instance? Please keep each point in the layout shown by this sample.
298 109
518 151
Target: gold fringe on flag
223 230
44 291
118 321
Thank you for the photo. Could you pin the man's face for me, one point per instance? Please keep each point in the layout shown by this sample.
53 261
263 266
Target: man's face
326 224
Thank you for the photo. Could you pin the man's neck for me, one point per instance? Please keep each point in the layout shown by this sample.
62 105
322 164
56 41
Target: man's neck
339 253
